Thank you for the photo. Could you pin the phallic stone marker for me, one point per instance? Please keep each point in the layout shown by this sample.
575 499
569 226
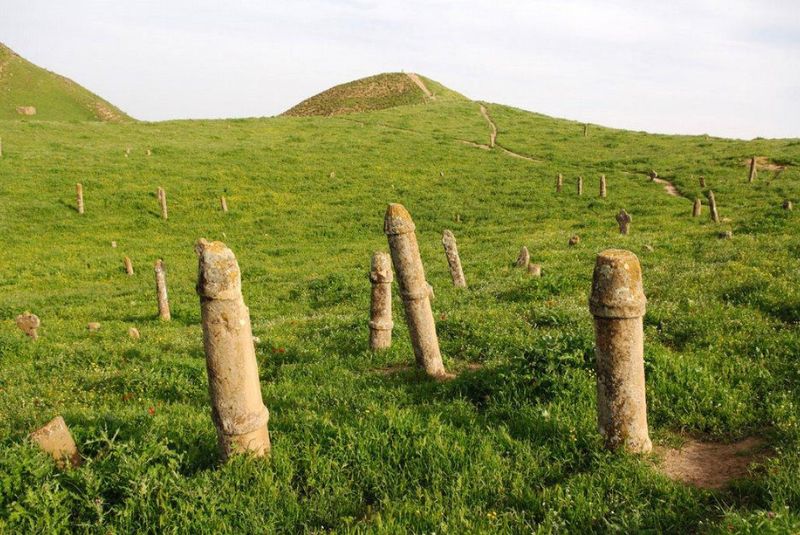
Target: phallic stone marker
162 201
624 221
161 290
574 240
617 303
559 182
580 185
223 204
603 190
380 310
753 170
453 260
702 182
29 324
535 270
133 332
55 439
787 205
237 408
128 265
523 258
93 326
79 197
697 208
712 206
399 229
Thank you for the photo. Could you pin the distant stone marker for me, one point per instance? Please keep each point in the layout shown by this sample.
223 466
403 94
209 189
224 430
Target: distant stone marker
128 265
55 439
580 185
29 324
223 204
617 303
712 205
453 260
726 235
523 258
133 333
380 311
1 147
79 197
93 326
535 270
162 202
787 205
399 229
653 175
574 240
585 129
603 190
624 221
161 291
237 407
697 208
702 182
26 110
753 170
559 182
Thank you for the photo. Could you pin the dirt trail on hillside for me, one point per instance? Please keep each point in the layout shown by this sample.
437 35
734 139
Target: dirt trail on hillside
493 139
669 187
417 80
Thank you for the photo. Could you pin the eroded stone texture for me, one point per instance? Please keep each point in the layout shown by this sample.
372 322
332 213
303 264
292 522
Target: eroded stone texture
162 202
29 324
55 439
697 208
603 190
237 407
523 258
223 204
753 170
535 270
133 332
399 229
712 206
380 311
624 221
128 265
453 260
580 185
787 205
161 290
79 197
574 240
618 303
559 182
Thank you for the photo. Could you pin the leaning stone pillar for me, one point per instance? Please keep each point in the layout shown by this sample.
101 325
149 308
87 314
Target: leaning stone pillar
697 208
603 186
79 197
753 170
399 229
162 202
128 265
580 185
161 291
237 408
380 310
223 204
559 183
712 205
618 305
54 438
523 258
453 260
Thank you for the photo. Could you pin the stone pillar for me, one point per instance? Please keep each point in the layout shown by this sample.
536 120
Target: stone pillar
79 197
624 221
399 229
787 205
29 324
128 266
653 175
54 438
237 408
559 183
223 204
161 291
712 205
453 260
697 208
162 201
380 310
585 129
618 305
535 270
580 185
1 147
133 332
523 258
702 182
574 240
752 169
603 186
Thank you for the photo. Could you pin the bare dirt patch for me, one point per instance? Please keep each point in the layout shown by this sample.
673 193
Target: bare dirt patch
669 187
711 465
417 80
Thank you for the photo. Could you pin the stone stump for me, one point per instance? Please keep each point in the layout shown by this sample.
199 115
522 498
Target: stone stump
453 259
55 439
29 324
523 258
624 221
380 310
161 290
128 265
697 208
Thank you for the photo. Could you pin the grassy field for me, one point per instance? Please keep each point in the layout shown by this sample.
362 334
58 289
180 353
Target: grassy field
511 444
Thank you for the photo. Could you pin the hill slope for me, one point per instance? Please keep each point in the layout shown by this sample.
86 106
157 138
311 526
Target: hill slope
55 98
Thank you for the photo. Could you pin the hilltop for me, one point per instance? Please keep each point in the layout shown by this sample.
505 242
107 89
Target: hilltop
25 87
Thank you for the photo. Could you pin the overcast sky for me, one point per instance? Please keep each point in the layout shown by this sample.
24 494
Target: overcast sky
723 67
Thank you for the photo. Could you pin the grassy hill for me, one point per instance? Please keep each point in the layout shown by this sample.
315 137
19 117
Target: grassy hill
55 97
362 443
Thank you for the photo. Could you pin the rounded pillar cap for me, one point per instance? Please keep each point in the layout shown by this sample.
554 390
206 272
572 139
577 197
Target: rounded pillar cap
218 272
381 268
397 220
617 290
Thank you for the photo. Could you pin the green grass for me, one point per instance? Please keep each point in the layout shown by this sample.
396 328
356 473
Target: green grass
509 447
55 97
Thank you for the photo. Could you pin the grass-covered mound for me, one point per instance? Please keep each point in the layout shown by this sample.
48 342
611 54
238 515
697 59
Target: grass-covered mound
360 444
56 98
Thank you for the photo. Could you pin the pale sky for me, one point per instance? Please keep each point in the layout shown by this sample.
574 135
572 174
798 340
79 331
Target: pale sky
722 67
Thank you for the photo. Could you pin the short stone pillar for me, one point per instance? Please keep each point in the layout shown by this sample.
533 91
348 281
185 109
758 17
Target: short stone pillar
399 229
223 204
653 175
702 182
79 197
380 310
617 303
725 235
574 240
753 170
523 258
580 185
162 202
535 270
161 291
697 208
559 182
93 326
133 333
1 147
453 260
624 221
128 265
29 324
712 206
603 191
55 439
237 408
787 205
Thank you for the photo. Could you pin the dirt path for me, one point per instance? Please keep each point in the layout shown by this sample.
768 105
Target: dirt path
493 134
669 187
417 80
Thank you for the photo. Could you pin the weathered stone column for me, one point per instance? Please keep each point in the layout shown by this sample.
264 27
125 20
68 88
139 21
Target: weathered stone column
399 229
787 205
618 305
712 205
580 185
29 324
697 208
161 291
223 204
702 182
54 438
624 221
453 260
128 265
380 310
523 258
237 407
603 186
752 169
79 197
162 201
559 183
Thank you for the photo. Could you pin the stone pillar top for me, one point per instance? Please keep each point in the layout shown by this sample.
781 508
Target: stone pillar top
219 276
617 290
397 220
381 267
